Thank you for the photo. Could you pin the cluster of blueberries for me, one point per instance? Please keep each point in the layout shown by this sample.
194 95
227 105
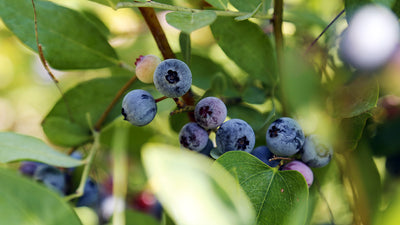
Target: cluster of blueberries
284 136
98 196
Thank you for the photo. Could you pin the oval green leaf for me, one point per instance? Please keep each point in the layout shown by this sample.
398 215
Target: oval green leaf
18 147
245 43
68 39
67 123
356 98
276 195
194 192
219 4
189 22
245 6
23 201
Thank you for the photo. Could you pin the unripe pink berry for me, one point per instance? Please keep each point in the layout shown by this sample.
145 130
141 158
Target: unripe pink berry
301 168
145 66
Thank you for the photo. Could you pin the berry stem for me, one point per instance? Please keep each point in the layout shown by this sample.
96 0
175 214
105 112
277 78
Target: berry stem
89 160
150 17
160 99
103 117
280 158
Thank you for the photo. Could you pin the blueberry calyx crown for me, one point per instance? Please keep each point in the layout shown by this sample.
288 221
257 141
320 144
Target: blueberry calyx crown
172 77
204 111
274 131
242 143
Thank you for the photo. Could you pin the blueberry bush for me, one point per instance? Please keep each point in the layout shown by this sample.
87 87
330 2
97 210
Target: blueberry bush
199 112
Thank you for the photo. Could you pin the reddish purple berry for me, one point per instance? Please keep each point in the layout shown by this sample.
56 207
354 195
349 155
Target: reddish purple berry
210 112
193 137
301 168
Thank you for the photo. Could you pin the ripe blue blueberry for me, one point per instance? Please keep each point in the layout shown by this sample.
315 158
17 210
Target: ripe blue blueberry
139 107
28 168
235 134
207 150
285 137
193 137
172 78
51 177
91 196
301 168
316 153
263 154
210 112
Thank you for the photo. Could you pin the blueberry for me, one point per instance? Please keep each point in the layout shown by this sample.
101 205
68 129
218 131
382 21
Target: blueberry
172 78
210 112
371 38
139 107
193 137
301 168
285 137
235 134
51 177
316 153
28 168
91 196
145 67
207 150
263 154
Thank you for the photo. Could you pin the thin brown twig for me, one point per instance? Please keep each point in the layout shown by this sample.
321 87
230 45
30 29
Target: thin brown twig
150 17
44 62
323 32
103 116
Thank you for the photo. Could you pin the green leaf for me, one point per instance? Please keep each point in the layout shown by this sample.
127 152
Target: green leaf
360 96
385 141
185 44
254 94
248 16
189 22
253 117
67 123
301 86
245 6
111 3
23 201
276 195
18 147
219 4
186 184
203 70
352 5
139 218
68 39
351 130
245 43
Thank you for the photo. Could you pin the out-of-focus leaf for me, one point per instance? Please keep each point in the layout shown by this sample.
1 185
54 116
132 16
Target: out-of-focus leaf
189 22
276 195
23 201
219 4
241 111
358 97
69 117
351 130
111 3
352 5
68 39
189 187
385 141
139 218
248 16
245 6
18 147
301 86
245 43
254 94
